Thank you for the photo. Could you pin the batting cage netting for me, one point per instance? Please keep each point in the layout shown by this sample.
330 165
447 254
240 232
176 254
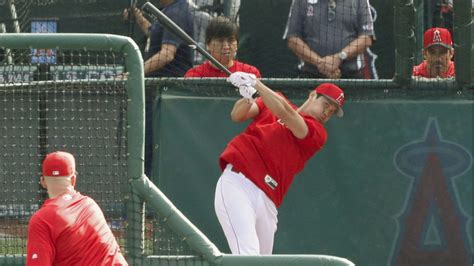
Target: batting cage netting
74 101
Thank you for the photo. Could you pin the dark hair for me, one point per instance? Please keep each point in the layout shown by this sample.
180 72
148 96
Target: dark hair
221 27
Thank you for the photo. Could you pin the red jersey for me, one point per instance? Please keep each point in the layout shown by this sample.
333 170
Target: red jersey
422 71
70 229
267 150
206 70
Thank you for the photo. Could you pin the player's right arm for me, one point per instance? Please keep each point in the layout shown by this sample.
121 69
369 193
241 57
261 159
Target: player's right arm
39 248
243 110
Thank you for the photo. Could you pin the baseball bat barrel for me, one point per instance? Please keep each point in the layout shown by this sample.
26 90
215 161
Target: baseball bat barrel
154 12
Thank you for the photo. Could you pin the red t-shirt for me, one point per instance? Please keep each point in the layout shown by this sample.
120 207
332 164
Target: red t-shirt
70 229
422 71
268 147
206 70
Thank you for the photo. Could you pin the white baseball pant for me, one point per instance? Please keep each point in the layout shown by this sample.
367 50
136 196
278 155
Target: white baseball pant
247 216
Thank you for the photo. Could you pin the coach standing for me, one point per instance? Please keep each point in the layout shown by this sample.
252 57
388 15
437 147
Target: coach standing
69 229
330 37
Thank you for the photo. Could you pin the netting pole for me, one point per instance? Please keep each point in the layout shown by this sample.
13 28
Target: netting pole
462 31
6 52
404 41
136 150
16 25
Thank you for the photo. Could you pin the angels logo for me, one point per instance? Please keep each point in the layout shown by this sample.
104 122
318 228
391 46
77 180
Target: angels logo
340 99
437 36
432 224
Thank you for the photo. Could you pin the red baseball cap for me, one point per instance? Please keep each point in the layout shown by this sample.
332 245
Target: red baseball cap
333 93
59 163
437 36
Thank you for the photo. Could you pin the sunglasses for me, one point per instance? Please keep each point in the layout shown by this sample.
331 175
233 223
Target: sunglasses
332 10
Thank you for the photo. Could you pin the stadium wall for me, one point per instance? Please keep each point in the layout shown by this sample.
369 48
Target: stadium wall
396 171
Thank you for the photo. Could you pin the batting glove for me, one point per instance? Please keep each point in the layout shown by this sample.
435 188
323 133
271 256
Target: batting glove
240 79
248 92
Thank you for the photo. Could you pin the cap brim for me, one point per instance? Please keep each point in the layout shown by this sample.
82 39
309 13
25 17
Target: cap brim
440 44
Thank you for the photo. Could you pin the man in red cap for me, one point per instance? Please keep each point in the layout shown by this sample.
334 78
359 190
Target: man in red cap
260 163
69 229
438 53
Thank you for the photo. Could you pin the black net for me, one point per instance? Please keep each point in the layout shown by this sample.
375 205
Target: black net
73 104
276 39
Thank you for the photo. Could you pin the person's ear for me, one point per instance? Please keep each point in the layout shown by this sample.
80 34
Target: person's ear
73 180
43 182
425 51
313 94
451 53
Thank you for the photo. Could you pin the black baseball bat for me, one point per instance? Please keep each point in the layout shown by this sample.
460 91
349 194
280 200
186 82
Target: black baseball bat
131 18
155 13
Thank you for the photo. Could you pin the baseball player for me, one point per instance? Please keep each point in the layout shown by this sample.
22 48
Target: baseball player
260 163
438 52
69 229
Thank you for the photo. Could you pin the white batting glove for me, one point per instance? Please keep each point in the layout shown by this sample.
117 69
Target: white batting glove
240 79
247 92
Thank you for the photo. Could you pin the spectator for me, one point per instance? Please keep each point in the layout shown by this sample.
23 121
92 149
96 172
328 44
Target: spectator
222 37
437 52
443 14
69 229
166 55
330 37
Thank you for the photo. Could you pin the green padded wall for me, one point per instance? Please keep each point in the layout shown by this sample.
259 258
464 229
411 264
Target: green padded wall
365 197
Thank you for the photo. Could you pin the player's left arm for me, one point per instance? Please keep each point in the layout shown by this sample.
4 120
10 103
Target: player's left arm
283 110
39 248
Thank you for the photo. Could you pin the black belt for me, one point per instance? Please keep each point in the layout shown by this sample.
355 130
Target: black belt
269 181
235 170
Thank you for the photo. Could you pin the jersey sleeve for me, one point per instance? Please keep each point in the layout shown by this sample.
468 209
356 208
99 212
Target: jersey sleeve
260 104
40 247
294 25
256 72
180 20
364 18
316 137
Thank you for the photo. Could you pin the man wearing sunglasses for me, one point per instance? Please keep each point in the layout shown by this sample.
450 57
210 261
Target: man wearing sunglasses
330 37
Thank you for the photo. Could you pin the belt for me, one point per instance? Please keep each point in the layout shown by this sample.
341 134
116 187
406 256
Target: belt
269 181
232 168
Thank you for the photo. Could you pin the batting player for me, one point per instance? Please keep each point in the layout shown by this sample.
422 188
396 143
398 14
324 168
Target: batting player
69 229
260 163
